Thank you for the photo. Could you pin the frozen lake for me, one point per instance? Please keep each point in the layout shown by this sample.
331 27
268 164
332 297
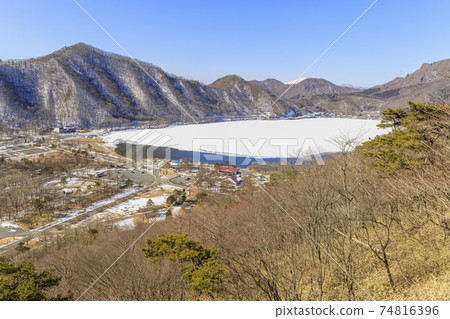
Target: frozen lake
262 138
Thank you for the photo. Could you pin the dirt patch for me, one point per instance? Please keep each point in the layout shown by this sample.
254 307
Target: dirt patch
87 140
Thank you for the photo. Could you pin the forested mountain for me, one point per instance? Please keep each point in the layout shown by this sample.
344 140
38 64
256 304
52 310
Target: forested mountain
429 84
305 88
86 87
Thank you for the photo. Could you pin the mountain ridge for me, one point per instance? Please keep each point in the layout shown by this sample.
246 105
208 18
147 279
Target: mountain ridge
304 88
81 85
84 86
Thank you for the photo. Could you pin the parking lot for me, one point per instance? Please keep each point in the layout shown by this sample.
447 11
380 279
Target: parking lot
22 151
182 180
136 176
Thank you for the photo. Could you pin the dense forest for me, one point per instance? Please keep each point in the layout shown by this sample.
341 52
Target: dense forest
370 224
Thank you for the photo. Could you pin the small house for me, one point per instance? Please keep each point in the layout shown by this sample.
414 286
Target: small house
228 171
176 162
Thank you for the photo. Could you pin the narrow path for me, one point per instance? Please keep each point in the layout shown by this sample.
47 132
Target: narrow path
77 218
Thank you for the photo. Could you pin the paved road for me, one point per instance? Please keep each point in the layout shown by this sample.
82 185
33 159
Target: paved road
12 232
137 176
64 223
182 182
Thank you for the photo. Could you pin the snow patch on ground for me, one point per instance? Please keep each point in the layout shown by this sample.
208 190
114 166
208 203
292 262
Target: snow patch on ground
126 224
8 224
169 187
176 210
129 207
159 200
87 210
72 181
69 182
94 171
161 217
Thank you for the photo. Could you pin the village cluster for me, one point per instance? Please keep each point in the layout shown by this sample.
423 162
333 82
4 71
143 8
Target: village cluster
110 189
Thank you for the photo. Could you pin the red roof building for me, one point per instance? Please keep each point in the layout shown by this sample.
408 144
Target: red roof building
229 170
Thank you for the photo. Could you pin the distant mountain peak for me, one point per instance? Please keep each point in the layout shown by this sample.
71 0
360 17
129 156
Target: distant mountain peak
354 86
237 85
301 88
78 47
297 81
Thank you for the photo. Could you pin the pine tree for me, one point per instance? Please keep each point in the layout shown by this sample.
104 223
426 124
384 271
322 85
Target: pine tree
399 149
203 272
22 283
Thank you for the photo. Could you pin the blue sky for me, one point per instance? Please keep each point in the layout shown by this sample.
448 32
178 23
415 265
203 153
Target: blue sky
205 40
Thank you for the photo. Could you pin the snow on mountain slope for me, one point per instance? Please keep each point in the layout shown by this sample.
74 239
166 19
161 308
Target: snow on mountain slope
295 81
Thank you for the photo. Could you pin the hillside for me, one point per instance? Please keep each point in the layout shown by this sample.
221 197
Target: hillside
84 86
305 88
429 84
378 216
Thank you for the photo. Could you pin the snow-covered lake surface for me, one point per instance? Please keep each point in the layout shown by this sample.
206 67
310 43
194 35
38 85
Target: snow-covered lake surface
262 138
